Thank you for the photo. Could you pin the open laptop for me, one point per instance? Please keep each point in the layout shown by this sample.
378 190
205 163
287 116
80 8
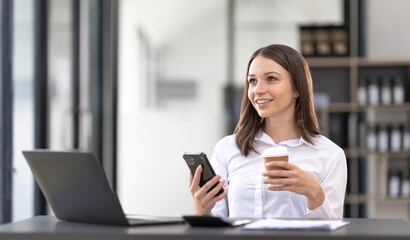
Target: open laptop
76 187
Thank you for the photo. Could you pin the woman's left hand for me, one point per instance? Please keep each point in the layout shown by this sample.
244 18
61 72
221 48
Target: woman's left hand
295 180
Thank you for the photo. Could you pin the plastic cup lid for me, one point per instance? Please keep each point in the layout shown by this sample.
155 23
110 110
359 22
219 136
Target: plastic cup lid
275 152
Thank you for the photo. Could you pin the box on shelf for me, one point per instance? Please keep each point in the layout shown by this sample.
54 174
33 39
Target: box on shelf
324 40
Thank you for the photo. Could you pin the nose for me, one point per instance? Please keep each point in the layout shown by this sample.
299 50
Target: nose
260 88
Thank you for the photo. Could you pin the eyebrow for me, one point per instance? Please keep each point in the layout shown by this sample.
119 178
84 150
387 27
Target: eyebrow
267 73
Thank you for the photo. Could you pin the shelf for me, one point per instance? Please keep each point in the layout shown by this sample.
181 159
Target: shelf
342 118
351 107
326 62
363 62
329 62
369 198
358 153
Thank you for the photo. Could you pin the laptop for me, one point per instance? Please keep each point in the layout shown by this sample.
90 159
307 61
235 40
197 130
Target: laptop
77 189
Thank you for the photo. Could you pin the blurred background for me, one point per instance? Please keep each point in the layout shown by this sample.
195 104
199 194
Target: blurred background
140 82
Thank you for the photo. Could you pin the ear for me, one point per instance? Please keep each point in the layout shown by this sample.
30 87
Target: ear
295 94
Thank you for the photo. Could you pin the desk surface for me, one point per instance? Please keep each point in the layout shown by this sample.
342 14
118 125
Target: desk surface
47 227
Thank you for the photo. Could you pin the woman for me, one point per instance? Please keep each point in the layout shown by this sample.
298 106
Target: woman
277 110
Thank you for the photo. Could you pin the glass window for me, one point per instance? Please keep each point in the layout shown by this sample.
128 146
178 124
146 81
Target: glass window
23 108
60 74
172 72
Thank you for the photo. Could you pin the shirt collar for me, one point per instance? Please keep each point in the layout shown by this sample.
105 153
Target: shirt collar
265 138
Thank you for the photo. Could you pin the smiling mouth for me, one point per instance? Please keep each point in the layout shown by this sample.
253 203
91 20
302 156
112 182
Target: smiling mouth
262 101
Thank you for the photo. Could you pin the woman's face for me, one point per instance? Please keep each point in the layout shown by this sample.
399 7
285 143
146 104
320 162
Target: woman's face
270 88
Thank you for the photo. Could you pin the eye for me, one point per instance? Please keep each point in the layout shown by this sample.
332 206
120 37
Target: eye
252 80
271 79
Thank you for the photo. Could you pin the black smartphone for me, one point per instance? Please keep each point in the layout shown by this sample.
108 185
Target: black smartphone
193 160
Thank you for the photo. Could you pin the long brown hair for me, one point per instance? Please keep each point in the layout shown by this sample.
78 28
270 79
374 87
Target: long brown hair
305 117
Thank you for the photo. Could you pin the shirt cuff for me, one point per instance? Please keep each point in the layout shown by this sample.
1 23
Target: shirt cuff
323 211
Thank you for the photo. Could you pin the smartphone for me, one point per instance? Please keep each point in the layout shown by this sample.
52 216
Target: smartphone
193 160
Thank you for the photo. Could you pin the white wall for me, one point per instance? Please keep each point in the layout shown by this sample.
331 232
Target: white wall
388 29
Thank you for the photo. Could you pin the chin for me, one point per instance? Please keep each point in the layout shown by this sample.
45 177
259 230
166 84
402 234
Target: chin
264 114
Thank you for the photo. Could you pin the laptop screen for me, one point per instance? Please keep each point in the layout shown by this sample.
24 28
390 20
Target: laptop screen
75 185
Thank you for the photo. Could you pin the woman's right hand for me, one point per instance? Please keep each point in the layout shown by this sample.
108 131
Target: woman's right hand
204 201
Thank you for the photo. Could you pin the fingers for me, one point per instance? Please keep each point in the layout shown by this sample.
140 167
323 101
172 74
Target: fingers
281 181
289 170
276 173
202 192
205 194
191 177
208 185
282 188
197 175
282 164
217 187
204 197
196 179
221 196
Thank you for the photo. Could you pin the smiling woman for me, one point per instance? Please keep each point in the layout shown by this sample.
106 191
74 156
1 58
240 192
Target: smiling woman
270 92
277 110
293 87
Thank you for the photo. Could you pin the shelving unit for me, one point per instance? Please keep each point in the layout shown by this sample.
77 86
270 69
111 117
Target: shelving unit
358 153
345 121
374 198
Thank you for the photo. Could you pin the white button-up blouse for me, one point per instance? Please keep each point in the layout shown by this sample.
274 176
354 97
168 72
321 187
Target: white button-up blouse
248 195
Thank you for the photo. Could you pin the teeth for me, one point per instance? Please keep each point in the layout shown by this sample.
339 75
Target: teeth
263 101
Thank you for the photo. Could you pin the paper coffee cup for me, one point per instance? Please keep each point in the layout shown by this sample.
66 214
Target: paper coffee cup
275 154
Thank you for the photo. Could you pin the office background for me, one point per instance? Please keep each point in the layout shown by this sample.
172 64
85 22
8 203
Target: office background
141 82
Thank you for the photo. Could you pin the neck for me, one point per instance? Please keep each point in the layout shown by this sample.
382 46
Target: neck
281 129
